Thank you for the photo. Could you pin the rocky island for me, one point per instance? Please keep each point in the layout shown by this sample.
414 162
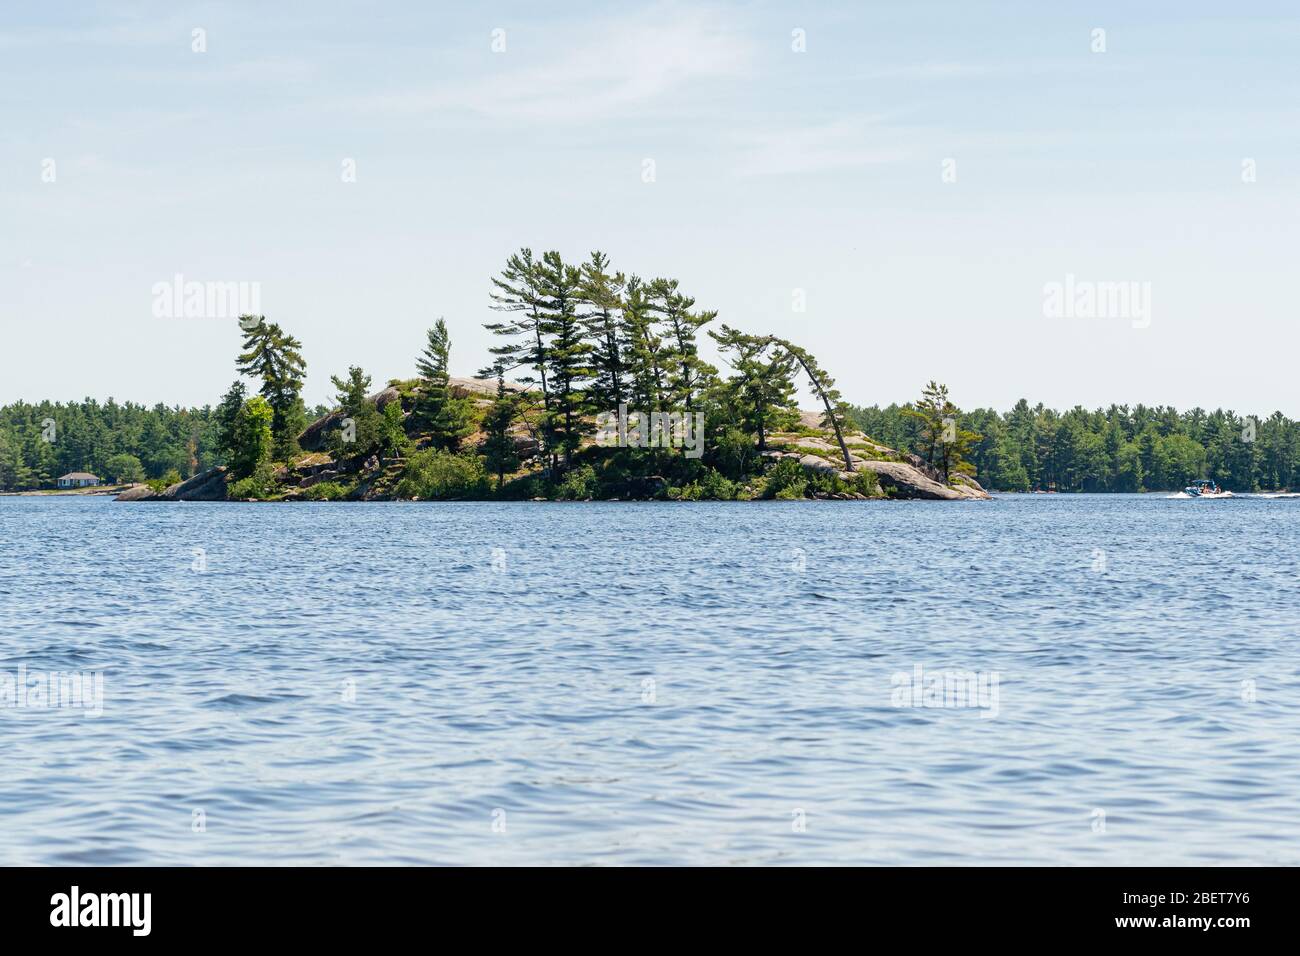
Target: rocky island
878 471
596 389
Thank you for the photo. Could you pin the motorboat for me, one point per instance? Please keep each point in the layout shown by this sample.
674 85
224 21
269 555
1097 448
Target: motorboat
1206 488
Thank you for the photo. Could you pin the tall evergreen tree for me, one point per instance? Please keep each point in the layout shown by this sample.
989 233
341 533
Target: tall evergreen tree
361 430
687 372
517 291
568 355
275 357
445 417
944 443
643 348
762 390
602 293
226 413
499 446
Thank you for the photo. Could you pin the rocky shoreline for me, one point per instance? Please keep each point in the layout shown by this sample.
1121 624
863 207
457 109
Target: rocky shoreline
899 479
900 475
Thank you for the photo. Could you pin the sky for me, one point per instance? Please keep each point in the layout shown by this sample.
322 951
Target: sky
898 187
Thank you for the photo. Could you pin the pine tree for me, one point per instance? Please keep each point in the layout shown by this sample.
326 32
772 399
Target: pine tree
499 447
14 472
446 418
517 292
687 372
603 295
568 355
928 413
762 391
643 349
361 430
275 357
823 387
944 443
226 413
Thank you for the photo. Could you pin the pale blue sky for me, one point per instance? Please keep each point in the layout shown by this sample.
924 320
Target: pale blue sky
775 171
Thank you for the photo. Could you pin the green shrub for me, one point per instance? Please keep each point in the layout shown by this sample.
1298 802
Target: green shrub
710 486
718 487
691 492
830 483
173 477
785 480
580 483
438 475
326 491
260 484
734 453
867 483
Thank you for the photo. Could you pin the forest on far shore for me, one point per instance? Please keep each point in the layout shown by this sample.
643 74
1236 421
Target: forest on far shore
1030 447
1120 448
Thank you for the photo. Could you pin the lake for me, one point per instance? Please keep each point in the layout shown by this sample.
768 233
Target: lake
1091 679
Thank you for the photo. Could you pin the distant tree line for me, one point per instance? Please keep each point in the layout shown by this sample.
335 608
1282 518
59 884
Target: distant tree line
118 442
1120 449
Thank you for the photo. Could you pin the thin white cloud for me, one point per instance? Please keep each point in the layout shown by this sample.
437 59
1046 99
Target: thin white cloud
858 141
608 68
269 69
929 71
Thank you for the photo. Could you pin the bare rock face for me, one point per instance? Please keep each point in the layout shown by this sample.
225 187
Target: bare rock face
136 493
478 387
313 436
526 445
904 481
970 484
909 478
816 444
815 463
810 419
207 485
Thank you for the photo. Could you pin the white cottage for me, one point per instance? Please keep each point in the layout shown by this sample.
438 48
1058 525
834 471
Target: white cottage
79 479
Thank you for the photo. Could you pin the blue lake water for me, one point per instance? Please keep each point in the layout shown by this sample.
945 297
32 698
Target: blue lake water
653 683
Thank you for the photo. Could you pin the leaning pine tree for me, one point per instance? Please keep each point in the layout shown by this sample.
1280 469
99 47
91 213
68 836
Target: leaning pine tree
823 387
